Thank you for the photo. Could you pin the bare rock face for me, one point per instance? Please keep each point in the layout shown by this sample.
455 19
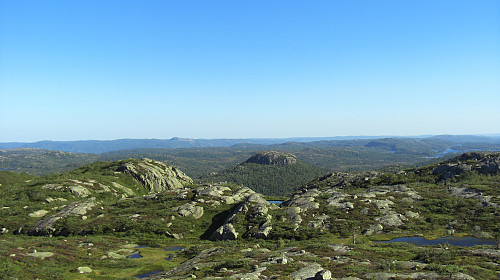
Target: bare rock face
46 226
272 158
156 176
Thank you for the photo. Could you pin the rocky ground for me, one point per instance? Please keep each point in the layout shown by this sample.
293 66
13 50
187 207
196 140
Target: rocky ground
325 230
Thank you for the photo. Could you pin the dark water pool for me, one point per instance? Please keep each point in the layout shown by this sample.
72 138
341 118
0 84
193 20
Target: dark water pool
145 275
454 241
134 256
174 248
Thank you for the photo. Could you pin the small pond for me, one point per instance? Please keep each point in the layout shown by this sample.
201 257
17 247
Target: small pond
277 202
146 275
454 241
175 248
134 256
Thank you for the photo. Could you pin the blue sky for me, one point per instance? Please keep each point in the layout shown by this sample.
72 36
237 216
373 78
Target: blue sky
75 69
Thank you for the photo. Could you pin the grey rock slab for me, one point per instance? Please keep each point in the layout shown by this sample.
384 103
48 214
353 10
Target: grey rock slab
307 272
41 255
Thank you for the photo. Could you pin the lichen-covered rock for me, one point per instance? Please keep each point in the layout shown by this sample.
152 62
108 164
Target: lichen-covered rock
155 176
84 269
307 272
215 191
46 226
38 214
391 219
224 232
41 255
304 203
189 209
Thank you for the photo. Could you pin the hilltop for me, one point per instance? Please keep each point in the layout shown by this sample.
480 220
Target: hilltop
268 173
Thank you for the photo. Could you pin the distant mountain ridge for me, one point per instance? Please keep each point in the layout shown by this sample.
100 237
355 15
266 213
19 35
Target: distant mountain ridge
103 146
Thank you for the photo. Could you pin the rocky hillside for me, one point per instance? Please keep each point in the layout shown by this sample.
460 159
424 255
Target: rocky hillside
325 229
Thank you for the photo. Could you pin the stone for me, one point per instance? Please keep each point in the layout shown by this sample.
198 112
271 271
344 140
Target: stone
324 274
38 214
391 220
307 272
216 191
84 269
41 255
79 190
224 232
189 209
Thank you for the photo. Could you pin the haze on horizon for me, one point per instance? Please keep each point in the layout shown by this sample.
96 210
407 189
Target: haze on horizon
77 70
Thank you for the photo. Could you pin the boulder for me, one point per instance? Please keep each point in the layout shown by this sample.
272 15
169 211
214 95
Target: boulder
224 232
391 220
324 274
307 272
79 190
84 269
38 214
189 209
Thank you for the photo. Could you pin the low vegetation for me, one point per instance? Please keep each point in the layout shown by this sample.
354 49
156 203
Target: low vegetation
84 223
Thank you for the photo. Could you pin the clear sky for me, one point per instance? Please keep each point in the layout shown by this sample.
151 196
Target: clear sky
82 69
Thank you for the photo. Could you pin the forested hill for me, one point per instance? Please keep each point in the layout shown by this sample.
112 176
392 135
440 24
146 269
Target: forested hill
268 173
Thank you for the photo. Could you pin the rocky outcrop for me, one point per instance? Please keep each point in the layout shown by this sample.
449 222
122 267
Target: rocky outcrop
304 200
272 158
483 163
484 200
46 226
253 207
189 209
155 176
